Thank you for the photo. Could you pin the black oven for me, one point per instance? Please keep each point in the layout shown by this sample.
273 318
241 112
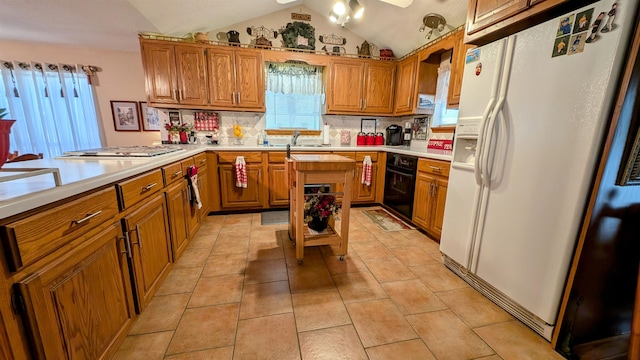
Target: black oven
400 183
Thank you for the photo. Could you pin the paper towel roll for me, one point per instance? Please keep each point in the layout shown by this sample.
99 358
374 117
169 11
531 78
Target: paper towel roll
325 135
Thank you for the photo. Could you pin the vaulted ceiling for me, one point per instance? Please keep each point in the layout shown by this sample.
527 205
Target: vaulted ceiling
114 24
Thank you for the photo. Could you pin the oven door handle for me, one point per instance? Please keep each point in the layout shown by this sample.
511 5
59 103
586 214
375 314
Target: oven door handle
400 173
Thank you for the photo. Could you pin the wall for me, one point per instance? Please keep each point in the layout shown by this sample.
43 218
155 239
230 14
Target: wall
121 78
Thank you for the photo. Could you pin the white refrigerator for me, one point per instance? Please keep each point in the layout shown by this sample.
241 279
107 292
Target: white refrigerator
531 121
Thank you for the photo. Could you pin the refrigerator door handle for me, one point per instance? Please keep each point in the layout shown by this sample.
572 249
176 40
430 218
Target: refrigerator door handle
504 85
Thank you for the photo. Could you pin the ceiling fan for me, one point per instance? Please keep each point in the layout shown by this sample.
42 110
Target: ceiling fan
399 3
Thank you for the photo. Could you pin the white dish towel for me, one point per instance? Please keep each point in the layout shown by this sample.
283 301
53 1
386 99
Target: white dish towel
366 170
192 177
241 172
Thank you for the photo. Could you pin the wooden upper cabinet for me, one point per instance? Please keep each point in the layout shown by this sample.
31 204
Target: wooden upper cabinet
236 78
457 69
379 77
175 74
406 86
344 90
250 79
360 86
490 20
192 75
482 13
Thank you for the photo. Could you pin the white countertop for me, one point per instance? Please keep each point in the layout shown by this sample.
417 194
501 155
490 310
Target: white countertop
83 174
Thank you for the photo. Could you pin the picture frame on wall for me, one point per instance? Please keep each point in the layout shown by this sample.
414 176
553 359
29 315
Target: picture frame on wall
150 118
125 115
368 126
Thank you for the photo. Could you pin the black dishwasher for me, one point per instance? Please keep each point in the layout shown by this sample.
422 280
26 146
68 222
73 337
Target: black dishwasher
400 183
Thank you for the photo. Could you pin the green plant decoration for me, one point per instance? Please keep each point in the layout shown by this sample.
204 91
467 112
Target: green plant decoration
3 113
291 32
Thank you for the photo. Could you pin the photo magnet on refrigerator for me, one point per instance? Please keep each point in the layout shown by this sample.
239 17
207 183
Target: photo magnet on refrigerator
478 69
583 19
560 46
472 55
577 43
564 27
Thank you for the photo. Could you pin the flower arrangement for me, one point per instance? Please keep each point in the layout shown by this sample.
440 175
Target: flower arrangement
320 206
184 127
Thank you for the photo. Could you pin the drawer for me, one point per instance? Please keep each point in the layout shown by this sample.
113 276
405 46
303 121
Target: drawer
435 167
201 160
32 238
186 163
172 173
229 157
138 188
349 154
361 154
277 156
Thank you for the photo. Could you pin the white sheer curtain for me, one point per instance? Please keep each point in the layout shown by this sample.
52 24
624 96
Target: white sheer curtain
294 96
442 115
53 105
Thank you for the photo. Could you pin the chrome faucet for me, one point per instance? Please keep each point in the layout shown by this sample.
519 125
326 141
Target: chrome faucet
294 139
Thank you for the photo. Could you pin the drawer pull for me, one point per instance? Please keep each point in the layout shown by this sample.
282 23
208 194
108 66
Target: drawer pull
149 187
435 168
86 218
202 162
176 173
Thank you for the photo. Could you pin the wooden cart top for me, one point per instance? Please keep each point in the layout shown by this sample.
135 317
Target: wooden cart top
320 162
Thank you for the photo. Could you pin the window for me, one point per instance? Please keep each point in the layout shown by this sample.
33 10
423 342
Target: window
441 115
294 96
53 105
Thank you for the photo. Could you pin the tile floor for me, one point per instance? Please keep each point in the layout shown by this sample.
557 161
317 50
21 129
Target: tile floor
237 292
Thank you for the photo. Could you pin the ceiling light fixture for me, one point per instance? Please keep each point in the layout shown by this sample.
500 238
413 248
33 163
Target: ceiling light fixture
341 14
434 22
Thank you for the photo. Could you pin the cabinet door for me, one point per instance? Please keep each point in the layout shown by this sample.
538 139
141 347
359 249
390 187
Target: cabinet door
423 200
405 85
80 306
379 80
482 13
438 206
237 197
250 79
278 190
362 192
344 89
192 75
457 69
160 72
177 205
222 77
148 231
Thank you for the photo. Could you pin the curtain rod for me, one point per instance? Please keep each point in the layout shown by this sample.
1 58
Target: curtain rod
88 69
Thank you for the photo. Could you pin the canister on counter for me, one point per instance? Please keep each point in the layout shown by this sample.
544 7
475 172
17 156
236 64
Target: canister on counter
370 139
379 139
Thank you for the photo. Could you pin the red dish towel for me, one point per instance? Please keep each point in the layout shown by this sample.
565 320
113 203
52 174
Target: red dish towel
241 172
192 177
366 170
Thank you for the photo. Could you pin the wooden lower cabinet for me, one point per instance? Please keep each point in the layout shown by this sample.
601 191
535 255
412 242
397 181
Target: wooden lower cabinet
232 196
203 187
278 191
177 207
80 306
362 192
429 199
148 232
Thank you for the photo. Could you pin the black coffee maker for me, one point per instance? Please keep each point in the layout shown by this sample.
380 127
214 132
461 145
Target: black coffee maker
394 135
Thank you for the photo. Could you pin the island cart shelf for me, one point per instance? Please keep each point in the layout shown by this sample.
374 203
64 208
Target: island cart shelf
315 169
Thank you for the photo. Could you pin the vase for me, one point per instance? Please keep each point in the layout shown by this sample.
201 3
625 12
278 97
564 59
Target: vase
318 224
5 130
183 137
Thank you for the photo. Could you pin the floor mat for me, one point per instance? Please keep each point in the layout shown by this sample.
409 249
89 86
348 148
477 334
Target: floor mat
274 217
386 221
